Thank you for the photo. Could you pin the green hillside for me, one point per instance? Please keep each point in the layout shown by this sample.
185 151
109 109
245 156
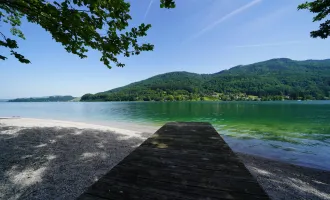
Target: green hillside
44 99
274 79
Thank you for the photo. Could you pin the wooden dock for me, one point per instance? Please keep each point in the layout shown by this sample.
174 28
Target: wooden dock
180 161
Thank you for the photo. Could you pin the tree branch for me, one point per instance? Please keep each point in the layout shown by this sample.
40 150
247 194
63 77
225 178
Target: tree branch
3 36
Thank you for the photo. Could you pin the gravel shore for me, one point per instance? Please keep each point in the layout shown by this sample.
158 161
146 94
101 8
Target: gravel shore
286 181
48 159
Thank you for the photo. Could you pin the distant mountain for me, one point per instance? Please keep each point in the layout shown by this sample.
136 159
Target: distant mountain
275 79
45 99
4 100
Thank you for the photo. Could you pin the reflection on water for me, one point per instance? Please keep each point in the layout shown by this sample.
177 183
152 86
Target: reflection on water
293 131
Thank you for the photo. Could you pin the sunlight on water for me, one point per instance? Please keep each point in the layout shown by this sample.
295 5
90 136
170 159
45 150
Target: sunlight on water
297 132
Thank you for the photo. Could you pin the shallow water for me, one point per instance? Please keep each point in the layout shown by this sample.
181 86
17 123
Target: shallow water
292 131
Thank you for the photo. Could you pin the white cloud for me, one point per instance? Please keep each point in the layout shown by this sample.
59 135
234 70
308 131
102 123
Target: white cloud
148 9
224 18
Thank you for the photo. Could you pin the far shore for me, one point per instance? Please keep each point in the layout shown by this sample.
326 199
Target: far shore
41 157
207 100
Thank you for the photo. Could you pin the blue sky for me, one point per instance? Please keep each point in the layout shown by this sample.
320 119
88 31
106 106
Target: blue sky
202 36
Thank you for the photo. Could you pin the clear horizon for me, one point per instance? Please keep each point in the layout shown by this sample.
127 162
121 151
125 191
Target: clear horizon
195 37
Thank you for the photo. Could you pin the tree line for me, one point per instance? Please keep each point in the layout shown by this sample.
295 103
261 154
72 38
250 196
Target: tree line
276 79
44 99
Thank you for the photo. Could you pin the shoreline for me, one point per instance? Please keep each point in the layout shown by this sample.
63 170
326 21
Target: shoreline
208 100
127 127
42 156
122 127
283 180
113 126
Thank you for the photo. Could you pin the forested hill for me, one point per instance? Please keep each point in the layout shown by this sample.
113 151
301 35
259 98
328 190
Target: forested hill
274 79
45 99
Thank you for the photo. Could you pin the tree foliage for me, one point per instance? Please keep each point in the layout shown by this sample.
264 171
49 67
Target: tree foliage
322 10
78 25
44 99
275 79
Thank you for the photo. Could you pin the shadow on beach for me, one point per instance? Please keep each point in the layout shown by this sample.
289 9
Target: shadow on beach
60 163
56 162
286 181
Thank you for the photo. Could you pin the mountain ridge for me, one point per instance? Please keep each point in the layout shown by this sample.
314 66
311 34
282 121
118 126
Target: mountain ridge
55 98
277 78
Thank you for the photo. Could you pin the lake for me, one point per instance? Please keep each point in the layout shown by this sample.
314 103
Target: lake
291 131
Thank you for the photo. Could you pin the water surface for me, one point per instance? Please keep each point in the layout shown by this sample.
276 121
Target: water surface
291 131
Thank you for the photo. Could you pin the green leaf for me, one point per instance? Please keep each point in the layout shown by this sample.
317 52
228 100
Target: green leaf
322 10
3 57
20 57
79 25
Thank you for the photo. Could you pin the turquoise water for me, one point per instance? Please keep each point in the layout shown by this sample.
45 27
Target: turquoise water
291 131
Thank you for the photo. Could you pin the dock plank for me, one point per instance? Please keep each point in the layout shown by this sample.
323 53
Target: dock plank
182 160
